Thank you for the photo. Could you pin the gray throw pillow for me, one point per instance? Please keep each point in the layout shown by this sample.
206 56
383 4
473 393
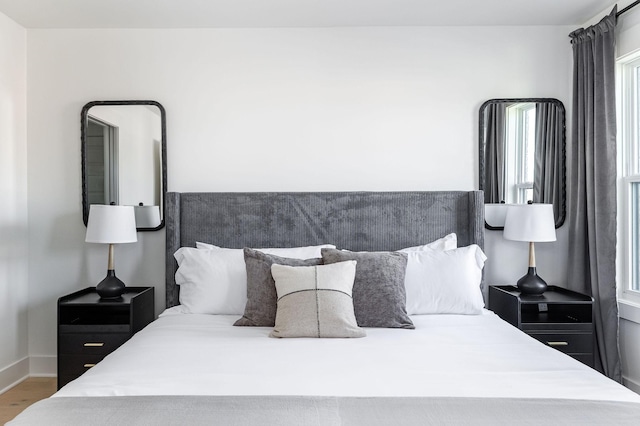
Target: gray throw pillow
260 310
315 301
379 298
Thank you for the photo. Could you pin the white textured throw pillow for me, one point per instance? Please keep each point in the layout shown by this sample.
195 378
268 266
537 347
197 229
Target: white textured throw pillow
214 281
445 282
315 301
448 242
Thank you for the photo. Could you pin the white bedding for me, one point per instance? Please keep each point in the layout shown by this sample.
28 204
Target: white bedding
446 355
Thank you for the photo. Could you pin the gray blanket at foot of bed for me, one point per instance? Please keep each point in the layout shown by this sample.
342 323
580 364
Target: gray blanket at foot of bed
285 411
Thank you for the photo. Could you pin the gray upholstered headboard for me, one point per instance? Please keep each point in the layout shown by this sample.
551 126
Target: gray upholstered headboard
371 221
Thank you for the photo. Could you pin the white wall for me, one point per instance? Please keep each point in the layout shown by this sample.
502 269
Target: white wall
13 210
273 110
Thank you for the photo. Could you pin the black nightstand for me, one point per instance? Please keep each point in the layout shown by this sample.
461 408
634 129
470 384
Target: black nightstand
90 328
559 318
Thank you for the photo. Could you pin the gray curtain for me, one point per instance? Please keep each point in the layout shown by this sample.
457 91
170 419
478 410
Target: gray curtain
592 184
495 137
548 181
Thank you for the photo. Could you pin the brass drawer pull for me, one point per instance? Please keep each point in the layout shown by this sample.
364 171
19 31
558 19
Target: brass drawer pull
558 343
89 365
93 345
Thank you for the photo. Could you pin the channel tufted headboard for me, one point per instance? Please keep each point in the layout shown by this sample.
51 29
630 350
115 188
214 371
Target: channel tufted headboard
371 221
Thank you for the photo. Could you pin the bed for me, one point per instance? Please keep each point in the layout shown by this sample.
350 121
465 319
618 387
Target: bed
198 368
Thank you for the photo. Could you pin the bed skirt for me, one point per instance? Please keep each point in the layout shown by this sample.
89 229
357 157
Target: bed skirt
321 411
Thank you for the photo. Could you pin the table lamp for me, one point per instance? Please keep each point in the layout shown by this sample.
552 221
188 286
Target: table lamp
531 223
111 225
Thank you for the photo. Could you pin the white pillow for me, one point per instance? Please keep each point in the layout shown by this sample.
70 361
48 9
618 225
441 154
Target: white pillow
205 245
445 282
309 252
448 242
214 281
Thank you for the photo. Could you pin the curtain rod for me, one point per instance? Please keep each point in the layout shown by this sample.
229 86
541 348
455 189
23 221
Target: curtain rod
634 4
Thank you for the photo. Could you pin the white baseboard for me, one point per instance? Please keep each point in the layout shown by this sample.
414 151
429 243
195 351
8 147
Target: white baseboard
631 384
14 374
43 366
34 366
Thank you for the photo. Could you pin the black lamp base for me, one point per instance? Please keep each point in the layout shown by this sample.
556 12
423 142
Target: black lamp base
531 283
111 287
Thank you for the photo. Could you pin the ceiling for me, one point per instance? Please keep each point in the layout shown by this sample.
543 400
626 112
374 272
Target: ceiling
296 13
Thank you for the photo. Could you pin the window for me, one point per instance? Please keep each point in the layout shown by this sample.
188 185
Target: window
629 178
520 151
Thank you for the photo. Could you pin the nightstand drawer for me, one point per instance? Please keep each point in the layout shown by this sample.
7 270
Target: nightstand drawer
584 358
90 343
569 343
75 365
64 379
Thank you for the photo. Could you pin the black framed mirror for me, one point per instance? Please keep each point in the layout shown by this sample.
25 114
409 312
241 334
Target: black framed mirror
124 158
522 155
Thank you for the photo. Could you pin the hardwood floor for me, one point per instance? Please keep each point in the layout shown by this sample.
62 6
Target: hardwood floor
19 397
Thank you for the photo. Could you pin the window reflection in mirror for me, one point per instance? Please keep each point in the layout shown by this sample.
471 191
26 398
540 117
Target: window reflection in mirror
519 152
522 154
124 157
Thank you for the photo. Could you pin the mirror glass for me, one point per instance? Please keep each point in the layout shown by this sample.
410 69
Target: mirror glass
522 155
124 158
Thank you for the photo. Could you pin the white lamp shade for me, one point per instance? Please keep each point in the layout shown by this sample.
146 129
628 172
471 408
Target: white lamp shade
530 222
495 214
147 216
111 224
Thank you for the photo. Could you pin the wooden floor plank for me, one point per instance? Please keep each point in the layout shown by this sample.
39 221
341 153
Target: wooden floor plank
19 397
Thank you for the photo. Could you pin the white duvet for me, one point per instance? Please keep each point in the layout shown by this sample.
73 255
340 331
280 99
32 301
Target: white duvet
446 355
